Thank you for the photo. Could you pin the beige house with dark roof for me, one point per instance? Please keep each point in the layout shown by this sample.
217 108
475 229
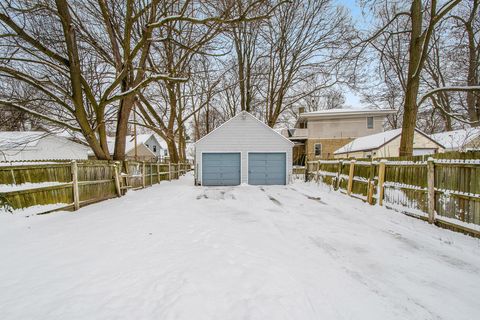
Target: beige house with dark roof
318 134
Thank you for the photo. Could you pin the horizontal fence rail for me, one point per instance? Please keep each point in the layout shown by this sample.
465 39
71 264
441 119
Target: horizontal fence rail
78 183
442 191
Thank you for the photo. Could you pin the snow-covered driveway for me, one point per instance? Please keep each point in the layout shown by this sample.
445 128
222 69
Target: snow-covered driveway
176 251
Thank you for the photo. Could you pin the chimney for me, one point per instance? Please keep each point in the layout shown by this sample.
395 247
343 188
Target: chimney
301 110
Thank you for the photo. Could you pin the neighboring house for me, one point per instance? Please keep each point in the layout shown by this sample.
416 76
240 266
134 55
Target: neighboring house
243 150
387 144
149 147
37 145
459 140
318 134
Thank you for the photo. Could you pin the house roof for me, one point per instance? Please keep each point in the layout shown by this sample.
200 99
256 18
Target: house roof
251 116
20 139
456 139
130 142
375 141
345 112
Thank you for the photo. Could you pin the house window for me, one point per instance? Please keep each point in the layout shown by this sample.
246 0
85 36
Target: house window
154 148
318 149
369 122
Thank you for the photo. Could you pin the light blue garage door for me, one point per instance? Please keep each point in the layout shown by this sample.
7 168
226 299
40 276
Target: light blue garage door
221 169
266 168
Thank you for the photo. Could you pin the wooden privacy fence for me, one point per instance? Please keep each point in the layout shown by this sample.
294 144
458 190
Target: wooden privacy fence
76 184
442 191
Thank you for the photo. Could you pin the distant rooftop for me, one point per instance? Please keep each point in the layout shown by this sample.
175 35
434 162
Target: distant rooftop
376 141
456 139
345 112
370 142
20 139
130 141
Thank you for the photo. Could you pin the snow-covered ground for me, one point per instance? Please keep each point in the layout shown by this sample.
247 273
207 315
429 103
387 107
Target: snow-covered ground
176 251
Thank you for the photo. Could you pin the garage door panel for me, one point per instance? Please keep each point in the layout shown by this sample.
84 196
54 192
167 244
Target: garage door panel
220 169
267 168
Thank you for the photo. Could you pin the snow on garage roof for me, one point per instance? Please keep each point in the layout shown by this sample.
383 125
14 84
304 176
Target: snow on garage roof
456 139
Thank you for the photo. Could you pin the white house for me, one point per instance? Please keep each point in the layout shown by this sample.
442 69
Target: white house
243 150
459 140
387 144
149 147
37 145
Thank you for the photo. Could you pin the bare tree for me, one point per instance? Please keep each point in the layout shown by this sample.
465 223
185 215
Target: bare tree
467 18
304 43
247 56
89 60
83 60
423 18
181 41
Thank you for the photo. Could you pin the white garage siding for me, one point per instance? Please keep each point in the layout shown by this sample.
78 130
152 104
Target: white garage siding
243 133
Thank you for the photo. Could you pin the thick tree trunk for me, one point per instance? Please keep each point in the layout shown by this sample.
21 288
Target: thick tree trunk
126 106
473 101
75 80
181 144
413 81
172 150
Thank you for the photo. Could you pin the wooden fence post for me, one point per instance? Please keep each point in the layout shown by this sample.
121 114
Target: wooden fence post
339 173
117 178
143 174
169 171
306 170
127 182
431 189
381 180
350 176
76 197
371 183
158 173
317 177
178 170
151 173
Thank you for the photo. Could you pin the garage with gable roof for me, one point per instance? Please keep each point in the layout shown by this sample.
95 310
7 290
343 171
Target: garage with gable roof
243 150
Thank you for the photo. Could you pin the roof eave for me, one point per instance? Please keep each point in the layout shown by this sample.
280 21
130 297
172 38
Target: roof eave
353 113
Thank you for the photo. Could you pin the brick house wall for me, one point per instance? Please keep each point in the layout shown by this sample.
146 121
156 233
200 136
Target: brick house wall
328 147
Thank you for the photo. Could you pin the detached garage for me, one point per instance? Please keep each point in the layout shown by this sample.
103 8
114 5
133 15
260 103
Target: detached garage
243 150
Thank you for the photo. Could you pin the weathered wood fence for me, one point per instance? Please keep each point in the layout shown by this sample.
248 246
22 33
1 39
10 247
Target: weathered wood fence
442 191
78 183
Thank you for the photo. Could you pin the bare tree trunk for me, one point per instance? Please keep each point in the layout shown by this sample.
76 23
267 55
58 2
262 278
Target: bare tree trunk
413 80
473 100
172 150
124 111
76 81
